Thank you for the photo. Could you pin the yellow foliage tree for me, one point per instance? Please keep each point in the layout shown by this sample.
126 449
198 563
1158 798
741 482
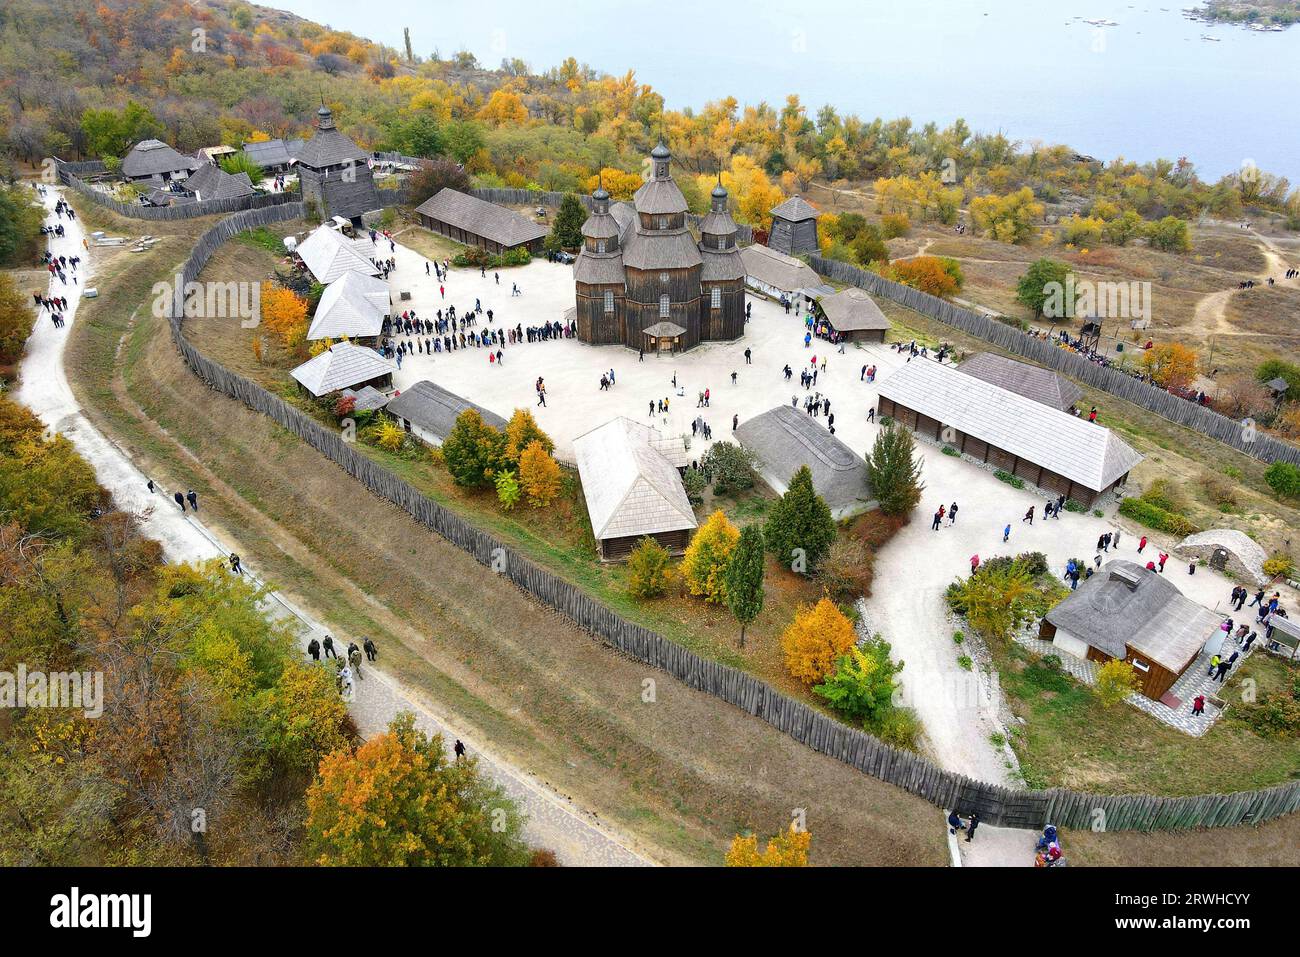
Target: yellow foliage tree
1171 365
787 849
285 315
1009 218
391 436
815 640
539 474
705 564
620 184
752 192
503 107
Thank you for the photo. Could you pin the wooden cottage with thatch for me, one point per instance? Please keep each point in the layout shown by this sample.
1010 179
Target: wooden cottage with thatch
1060 453
633 487
476 222
854 315
794 227
429 411
1130 613
641 278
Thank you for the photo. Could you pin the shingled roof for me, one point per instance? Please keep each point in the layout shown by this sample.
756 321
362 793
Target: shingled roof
329 146
328 254
795 209
1081 451
273 152
852 310
1033 382
355 304
153 158
1125 604
211 182
481 218
630 486
778 270
340 366
434 409
784 439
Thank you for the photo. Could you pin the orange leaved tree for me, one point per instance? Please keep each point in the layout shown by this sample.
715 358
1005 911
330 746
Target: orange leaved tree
787 849
815 640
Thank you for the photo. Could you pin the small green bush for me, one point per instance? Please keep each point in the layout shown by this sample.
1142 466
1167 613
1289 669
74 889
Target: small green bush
958 637
647 570
1284 479
965 662
1072 506
1152 516
949 450
898 727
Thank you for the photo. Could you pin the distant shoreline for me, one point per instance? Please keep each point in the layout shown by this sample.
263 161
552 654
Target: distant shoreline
1261 16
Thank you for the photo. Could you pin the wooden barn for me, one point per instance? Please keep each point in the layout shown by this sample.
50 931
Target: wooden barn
777 275
476 222
1127 612
429 411
1058 452
633 487
1031 381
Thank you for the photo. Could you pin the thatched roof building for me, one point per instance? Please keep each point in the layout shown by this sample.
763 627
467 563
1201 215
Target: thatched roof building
785 438
155 160
775 274
429 411
854 314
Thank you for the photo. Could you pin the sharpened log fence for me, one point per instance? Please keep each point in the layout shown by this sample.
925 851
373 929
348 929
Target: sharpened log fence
999 805
1151 397
208 207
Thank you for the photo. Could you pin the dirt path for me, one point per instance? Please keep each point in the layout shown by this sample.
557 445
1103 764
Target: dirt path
1211 316
44 387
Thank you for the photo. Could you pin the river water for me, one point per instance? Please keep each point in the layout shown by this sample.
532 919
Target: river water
1148 86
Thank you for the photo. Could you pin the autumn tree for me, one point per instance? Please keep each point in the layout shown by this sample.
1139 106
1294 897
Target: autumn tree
894 471
744 578
863 684
20 227
1171 365
504 107
472 450
704 565
1008 218
817 638
284 313
787 849
397 800
1116 680
928 274
618 183
539 474
647 569
521 431
433 176
16 320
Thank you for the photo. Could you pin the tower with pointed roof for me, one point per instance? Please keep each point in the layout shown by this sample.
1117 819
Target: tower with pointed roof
794 227
640 268
335 173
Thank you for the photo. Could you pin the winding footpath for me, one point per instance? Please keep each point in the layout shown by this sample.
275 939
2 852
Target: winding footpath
552 821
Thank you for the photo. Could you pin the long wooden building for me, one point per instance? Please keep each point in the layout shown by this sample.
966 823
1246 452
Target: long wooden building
1058 452
476 222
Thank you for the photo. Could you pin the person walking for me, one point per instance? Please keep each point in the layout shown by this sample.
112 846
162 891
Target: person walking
372 652
192 499
934 525
313 649
1198 704
1006 533
955 822
1163 558
327 646
1214 664
459 749
952 515
180 500
974 564
1029 516
974 823
234 564
354 659
1142 543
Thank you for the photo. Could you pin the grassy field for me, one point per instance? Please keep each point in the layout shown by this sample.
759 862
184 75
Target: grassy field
683 773
1068 740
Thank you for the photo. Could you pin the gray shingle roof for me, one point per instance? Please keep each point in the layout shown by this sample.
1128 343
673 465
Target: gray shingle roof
434 409
340 366
630 486
659 196
355 304
595 269
1033 382
153 158
1081 451
330 147
477 216
720 265
784 438
368 398
778 270
273 152
672 249
852 310
794 209
1125 604
210 182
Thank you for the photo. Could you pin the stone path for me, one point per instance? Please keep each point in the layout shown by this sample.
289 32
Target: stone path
552 821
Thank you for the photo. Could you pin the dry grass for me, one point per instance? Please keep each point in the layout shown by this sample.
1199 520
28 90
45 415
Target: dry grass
1275 844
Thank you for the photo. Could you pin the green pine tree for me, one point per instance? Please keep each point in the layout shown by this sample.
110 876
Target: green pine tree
801 519
744 575
567 231
893 470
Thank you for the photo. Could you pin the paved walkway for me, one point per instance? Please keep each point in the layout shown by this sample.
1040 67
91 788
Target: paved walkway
552 821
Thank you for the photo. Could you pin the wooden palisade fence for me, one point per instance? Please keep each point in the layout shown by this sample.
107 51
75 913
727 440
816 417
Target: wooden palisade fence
1150 397
915 774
